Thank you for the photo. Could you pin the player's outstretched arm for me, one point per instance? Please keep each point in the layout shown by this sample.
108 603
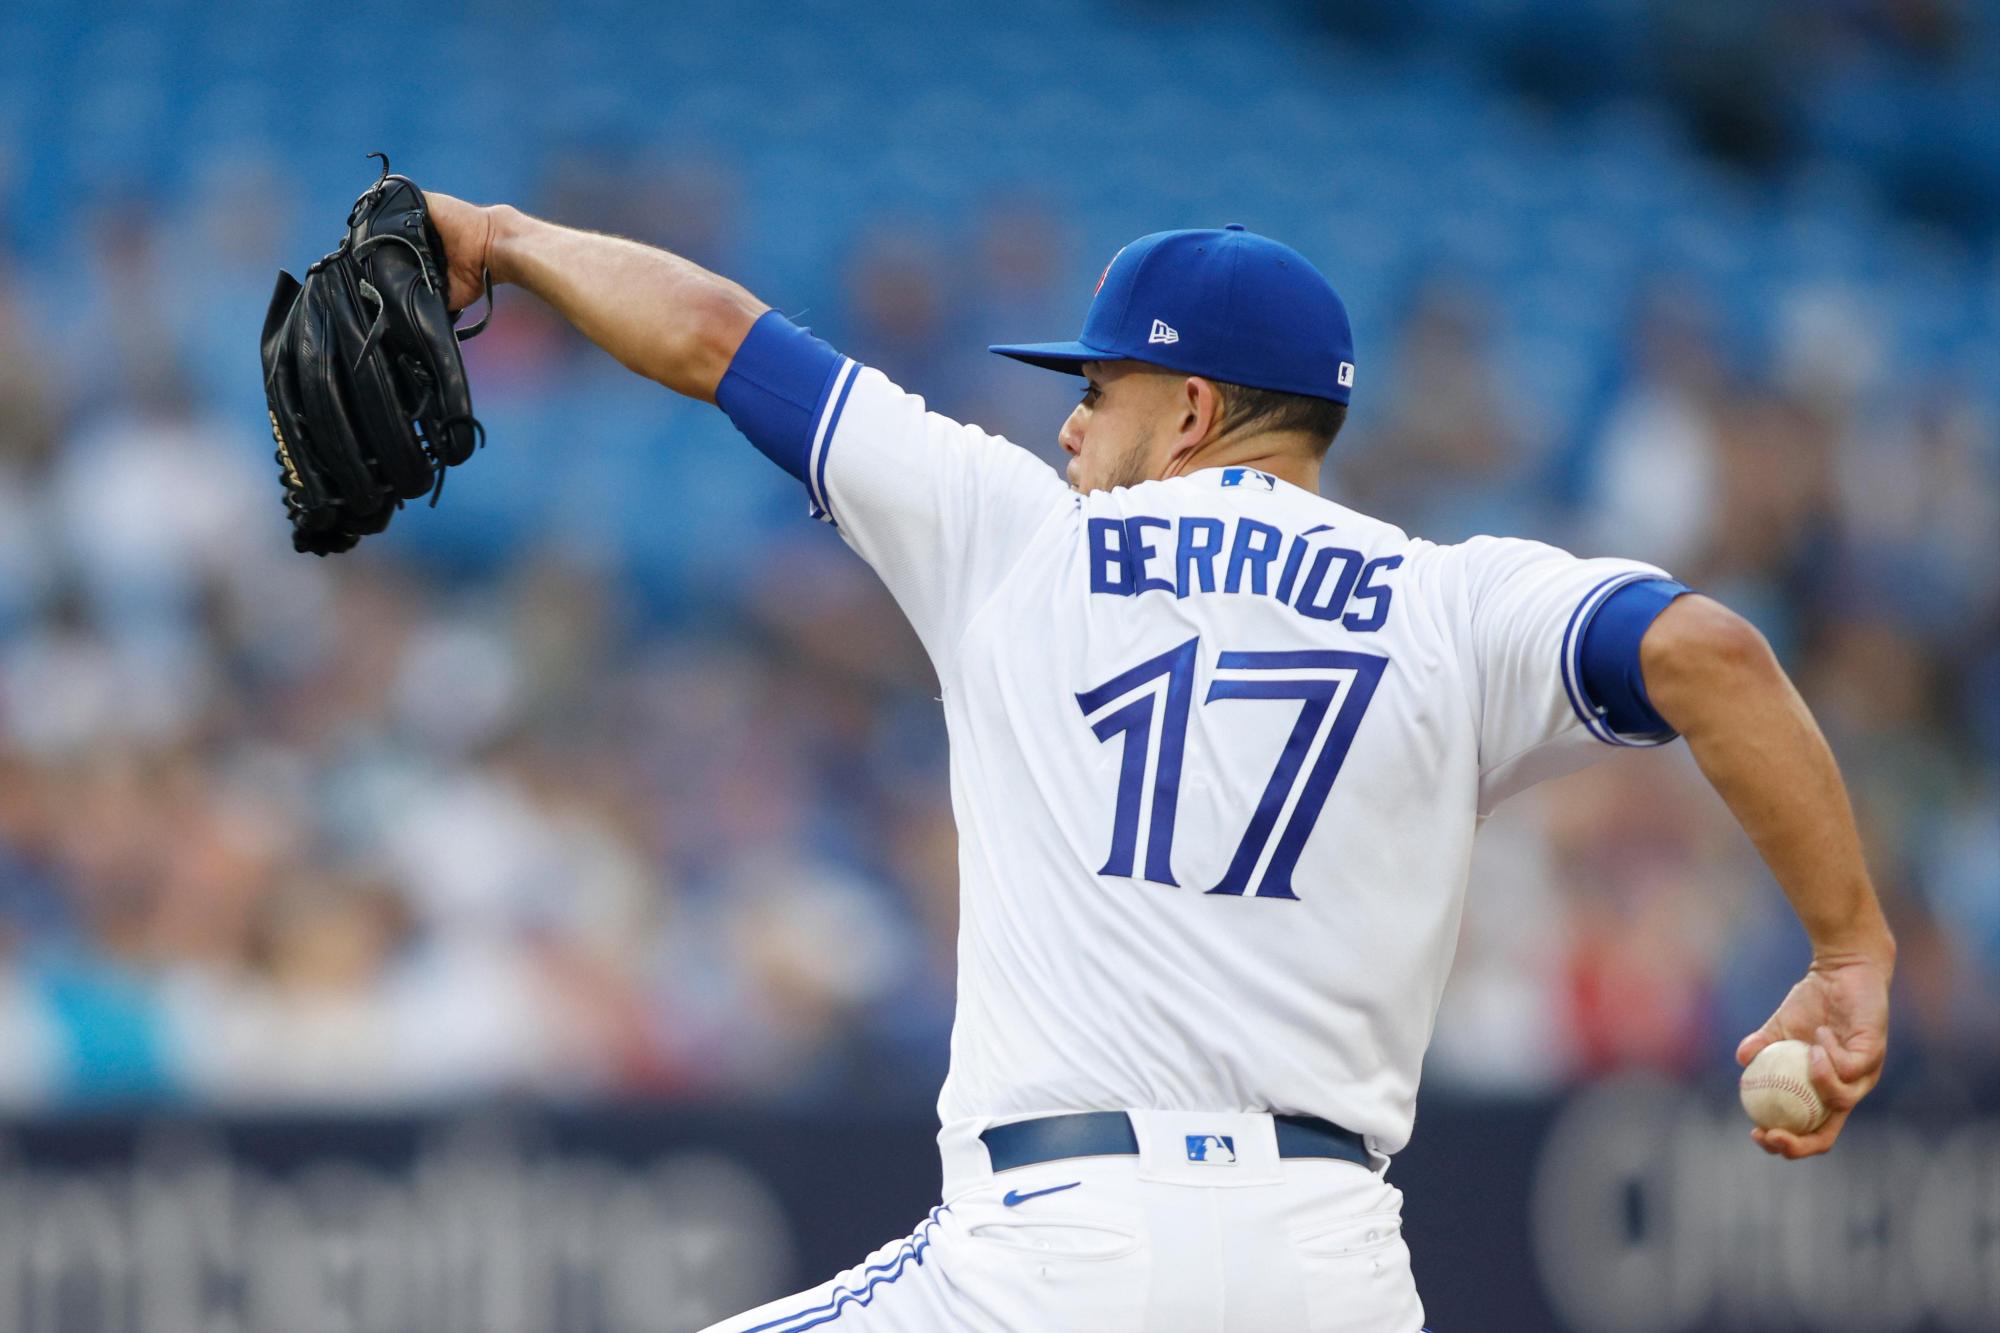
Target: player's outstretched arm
1712 676
662 316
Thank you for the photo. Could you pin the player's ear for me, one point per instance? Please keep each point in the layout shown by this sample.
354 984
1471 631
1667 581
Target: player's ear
1197 408
1201 410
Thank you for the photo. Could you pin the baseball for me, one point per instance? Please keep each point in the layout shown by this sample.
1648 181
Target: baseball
1777 1091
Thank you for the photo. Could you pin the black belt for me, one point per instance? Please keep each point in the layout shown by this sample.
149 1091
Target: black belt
1110 1134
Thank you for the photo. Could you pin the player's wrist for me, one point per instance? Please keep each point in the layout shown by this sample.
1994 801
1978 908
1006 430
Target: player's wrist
1864 941
505 227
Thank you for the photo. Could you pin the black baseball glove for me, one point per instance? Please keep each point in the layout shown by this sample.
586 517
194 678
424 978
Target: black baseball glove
367 392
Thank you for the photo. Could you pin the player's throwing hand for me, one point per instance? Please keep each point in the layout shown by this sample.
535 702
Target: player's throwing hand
1841 1010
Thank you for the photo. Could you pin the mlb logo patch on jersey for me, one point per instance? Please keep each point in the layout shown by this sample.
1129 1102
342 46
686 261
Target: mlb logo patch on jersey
1249 476
1211 1149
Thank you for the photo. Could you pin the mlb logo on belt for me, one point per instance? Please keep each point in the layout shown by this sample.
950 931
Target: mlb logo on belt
1211 1149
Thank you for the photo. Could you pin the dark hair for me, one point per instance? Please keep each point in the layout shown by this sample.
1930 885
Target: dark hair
1319 419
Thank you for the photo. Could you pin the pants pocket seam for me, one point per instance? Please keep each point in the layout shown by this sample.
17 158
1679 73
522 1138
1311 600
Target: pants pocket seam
1129 1243
1312 1240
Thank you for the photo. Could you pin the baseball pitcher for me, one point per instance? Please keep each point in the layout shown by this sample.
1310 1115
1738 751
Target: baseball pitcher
1219 747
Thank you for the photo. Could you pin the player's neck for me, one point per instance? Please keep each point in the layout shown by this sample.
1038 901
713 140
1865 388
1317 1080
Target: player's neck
1280 455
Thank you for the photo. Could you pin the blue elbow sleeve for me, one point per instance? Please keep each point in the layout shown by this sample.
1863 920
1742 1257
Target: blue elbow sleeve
1608 657
776 387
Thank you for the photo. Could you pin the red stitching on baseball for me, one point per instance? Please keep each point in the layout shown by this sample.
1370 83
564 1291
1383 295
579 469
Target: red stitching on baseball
1786 1083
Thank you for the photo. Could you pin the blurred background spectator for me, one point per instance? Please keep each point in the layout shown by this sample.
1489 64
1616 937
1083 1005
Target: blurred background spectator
615 777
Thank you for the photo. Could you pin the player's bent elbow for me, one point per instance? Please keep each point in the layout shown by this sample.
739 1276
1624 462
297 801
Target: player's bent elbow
1697 652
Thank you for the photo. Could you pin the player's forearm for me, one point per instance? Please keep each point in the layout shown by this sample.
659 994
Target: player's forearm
664 317
1712 676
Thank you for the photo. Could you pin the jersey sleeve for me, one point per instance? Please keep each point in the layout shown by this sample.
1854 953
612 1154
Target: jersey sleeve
940 510
1528 612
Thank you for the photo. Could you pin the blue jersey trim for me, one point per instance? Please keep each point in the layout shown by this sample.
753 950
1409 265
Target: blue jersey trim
1600 667
823 442
776 389
888 1271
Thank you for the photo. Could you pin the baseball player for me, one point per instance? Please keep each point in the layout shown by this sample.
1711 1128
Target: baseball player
1219 747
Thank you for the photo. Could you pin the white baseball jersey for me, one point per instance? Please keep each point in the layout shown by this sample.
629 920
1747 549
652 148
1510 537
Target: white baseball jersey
1218 750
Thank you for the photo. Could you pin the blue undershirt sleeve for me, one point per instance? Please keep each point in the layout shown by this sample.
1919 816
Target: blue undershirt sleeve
776 388
1608 656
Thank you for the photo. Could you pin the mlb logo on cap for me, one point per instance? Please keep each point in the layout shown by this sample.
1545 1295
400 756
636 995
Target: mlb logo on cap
1226 304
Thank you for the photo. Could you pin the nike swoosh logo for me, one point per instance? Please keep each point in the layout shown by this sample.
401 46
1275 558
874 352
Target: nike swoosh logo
1014 1197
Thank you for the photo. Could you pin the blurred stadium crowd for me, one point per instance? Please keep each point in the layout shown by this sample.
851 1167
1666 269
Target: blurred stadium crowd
616 776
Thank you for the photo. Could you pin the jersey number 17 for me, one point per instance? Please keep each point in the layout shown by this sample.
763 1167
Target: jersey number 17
1332 689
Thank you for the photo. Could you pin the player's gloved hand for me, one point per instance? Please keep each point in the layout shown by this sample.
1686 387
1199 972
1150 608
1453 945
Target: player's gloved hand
366 390
1841 1010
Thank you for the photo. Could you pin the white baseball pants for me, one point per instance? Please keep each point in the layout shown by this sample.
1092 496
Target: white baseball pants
1240 1242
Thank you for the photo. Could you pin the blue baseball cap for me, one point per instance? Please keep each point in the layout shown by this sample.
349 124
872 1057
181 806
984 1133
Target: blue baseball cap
1229 305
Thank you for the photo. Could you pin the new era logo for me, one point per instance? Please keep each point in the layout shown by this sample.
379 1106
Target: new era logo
1346 375
1211 1149
1162 333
